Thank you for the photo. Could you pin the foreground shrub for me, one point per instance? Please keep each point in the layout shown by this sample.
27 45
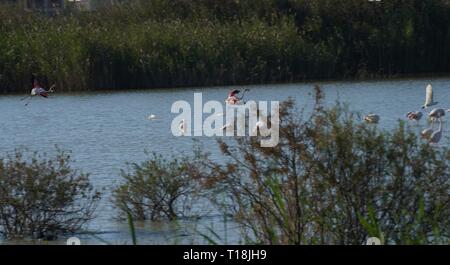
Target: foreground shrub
334 180
42 197
156 189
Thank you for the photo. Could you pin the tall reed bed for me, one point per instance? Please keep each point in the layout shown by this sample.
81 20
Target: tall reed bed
80 55
162 43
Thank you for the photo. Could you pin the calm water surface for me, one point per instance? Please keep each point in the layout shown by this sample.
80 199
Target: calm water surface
105 130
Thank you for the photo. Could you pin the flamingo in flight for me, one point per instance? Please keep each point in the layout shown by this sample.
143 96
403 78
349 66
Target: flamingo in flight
37 90
233 98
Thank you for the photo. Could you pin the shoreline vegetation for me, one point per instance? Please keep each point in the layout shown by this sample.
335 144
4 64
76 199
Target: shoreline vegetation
332 180
186 43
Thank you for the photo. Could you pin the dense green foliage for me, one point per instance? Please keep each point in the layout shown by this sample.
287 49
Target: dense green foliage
162 43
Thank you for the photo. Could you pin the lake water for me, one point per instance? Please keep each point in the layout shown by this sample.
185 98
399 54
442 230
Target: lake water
105 130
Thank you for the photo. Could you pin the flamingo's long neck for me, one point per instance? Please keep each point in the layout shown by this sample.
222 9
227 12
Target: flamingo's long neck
243 95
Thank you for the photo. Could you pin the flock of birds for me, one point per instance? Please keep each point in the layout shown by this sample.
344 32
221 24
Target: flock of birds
429 134
233 99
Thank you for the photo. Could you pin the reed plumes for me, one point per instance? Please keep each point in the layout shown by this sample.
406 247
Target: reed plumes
162 43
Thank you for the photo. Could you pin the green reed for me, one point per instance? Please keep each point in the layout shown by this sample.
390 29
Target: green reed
162 43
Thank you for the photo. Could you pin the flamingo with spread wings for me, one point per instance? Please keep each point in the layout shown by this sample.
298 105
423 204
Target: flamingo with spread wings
37 90
233 98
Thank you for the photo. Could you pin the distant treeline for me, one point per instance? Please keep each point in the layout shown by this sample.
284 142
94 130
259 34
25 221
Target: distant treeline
165 43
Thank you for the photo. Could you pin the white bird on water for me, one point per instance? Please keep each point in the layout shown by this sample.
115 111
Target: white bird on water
229 126
429 99
436 114
414 116
182 127
437 135
152 117
426 134
372 118
259 125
